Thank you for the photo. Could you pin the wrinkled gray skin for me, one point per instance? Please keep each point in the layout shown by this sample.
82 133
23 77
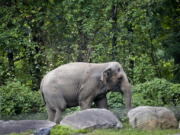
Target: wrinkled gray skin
81 84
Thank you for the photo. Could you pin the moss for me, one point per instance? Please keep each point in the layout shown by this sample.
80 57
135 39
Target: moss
63 130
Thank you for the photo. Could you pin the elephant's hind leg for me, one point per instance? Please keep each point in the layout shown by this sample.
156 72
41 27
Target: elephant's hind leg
60 105
58 116
51 114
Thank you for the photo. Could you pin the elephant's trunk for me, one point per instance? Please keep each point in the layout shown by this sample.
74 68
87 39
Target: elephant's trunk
127 98
126 89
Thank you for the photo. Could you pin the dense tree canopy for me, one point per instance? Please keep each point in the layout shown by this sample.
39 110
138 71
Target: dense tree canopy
37 36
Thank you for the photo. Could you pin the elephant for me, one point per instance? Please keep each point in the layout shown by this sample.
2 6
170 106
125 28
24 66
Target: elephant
82 84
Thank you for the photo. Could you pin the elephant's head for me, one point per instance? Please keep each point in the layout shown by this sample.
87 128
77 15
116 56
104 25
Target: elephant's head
116 79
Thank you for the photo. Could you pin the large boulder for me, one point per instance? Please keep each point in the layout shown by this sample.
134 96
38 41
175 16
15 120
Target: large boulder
18 126
147 117
176 111
92 119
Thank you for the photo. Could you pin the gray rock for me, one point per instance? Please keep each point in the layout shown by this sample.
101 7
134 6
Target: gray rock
92 119
147 117
43 131
176 111
18 126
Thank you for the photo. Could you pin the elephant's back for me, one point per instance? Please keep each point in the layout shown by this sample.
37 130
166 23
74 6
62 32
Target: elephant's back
73 69
69 75
64 77
79 70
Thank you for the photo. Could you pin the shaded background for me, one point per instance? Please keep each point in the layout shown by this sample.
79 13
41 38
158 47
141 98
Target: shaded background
38 36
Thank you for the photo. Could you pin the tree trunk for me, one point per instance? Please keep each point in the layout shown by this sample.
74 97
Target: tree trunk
154 59
114 31
11 66
35 60
82 42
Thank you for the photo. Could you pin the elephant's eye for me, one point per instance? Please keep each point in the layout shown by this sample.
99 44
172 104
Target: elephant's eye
120 78
118 69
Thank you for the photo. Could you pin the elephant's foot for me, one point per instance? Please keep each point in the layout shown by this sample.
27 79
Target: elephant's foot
58 118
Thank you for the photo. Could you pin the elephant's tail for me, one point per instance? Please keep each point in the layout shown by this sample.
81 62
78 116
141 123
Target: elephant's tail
41 88
43 97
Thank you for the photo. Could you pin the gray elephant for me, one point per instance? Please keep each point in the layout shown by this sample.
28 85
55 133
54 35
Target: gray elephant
81 84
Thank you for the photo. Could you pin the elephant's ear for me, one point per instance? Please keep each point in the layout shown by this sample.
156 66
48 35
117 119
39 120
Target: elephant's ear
106 74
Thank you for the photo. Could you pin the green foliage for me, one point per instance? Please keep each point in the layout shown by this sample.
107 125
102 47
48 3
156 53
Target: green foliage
63 130
36 37
158 92
115 100
142 36
17 98
71 110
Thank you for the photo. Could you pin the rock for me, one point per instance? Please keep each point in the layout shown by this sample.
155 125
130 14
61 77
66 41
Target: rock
43 131
176 111
92 119
146 117
18 126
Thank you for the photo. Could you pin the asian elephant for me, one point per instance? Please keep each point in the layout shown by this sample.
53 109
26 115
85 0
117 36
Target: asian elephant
81 84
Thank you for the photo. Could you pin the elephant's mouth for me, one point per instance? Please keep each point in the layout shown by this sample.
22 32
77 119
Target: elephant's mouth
116 88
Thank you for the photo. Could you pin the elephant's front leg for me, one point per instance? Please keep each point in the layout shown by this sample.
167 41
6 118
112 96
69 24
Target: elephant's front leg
101 102
88 92
86 103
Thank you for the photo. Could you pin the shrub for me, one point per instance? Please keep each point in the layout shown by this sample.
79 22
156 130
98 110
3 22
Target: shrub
115 100
158 92
16 98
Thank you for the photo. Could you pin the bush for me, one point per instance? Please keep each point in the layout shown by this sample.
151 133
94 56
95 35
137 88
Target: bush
115 100
16 98
158 92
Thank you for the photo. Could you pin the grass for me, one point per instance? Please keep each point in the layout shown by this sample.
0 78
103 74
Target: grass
131 131
61 130
126 130
22 133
